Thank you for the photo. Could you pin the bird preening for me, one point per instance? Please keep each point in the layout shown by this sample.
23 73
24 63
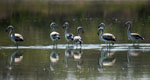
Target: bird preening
108 38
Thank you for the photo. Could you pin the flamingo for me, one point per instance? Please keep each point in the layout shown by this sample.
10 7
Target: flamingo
55 36
15 37
133 36
78 39
68 36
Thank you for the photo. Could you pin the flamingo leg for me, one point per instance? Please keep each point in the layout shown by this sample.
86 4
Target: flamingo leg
56 45
53 44
107 46
17 45
80 45
133 43
76 45
68 44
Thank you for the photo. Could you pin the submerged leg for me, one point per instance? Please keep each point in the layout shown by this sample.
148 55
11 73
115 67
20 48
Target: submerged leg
80 45
56 45
138 43
76 45
107 46
68 44
53 44
17 45
133 43
109 49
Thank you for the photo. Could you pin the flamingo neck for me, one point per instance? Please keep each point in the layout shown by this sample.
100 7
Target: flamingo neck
103 27
129 28
11 33
53 28
66 31
78 32
101 35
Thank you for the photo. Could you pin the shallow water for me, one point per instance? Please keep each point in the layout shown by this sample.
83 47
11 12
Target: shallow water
33 64
115 47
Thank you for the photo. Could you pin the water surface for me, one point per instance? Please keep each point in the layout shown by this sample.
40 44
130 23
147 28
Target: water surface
33 64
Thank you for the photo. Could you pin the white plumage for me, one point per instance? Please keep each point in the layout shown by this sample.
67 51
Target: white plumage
78 39
69 37
17 35
54 36
108 34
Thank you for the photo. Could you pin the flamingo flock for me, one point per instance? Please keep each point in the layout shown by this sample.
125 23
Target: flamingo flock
108 38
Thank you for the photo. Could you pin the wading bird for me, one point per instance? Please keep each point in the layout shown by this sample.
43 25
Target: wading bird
133 36
55 36
106 37
78 39
15 37
68 36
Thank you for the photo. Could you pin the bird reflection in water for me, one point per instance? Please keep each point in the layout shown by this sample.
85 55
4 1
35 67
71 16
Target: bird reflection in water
54 58
105 59
132 53
14 58
68 53
77 55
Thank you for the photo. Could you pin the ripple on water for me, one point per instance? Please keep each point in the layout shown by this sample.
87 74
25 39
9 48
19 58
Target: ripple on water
115 47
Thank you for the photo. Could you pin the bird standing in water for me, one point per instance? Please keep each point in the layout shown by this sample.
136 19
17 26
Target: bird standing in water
55 36
78 39
106 37
68 36
133 36
15 37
